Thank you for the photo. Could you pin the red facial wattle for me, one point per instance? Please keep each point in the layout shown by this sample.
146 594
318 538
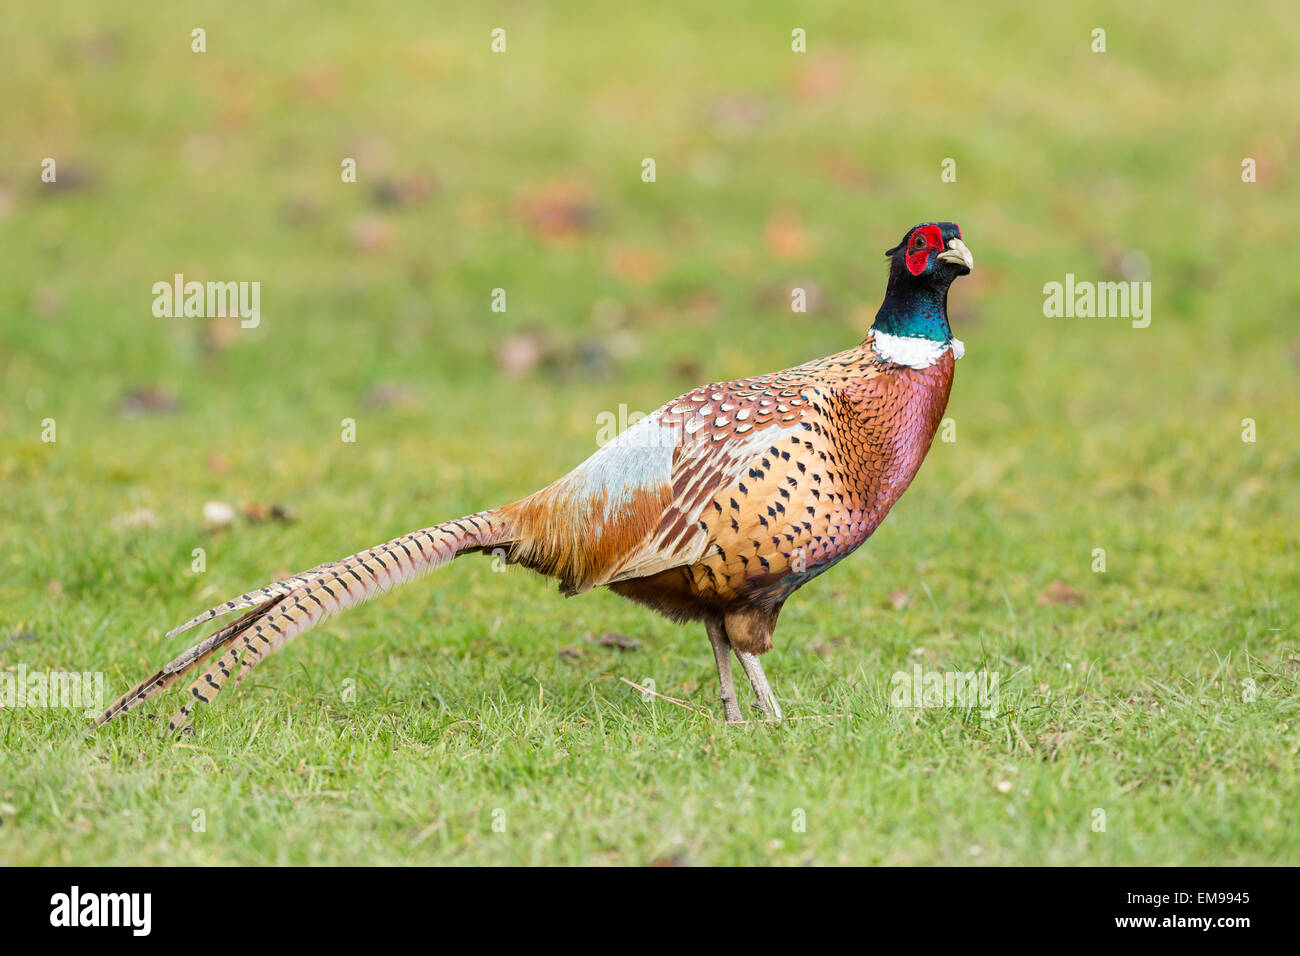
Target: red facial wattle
918 256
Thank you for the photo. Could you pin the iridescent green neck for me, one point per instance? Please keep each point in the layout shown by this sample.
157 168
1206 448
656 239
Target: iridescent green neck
916 310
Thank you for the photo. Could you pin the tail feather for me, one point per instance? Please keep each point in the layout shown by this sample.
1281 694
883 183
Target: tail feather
255 597
286 609
178 668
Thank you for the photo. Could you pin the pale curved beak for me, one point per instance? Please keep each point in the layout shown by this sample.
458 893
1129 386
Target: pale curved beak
958 253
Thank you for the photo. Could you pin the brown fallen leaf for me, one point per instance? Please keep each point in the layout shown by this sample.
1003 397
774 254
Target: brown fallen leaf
300 211
220 333
847 171
101 47
69 177
1058 592
256 512
387 395
686 368
824 647
519 354
405 190
736 114
785 236
558 211
634 264
613 639
318 83
822 78
47 300
702 305
147 400
371 234
1264 166
899 599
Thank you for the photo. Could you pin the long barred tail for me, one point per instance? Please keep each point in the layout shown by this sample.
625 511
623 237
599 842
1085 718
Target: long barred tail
283 610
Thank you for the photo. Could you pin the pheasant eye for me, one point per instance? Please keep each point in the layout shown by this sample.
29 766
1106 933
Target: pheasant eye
919 242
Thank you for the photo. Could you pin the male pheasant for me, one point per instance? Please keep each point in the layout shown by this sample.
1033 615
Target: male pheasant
716 507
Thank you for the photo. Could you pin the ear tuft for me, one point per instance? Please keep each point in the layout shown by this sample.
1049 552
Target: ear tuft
889 253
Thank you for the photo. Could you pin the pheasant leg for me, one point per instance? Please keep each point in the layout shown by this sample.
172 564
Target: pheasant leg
722 657
765 699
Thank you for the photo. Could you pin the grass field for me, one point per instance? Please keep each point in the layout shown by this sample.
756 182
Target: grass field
1148 712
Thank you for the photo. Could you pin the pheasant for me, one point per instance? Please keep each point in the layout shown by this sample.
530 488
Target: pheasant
715 508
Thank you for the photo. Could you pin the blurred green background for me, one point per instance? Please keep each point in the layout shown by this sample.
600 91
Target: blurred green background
522 171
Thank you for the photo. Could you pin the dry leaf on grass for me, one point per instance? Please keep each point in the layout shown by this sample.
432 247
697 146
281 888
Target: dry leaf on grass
1058 592
558 211
612 639
148 400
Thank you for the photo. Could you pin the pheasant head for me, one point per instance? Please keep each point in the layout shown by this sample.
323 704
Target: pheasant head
921 268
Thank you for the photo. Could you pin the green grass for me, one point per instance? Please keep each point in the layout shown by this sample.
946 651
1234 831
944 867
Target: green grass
475 691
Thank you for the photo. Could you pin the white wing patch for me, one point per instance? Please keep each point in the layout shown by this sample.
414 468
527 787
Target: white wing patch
639 459
709 467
